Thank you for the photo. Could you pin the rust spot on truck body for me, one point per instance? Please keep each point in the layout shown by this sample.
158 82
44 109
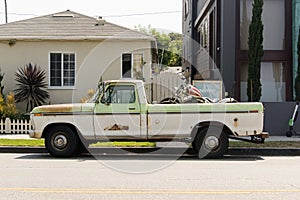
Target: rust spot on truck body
56 109
60 108
236 122
117 127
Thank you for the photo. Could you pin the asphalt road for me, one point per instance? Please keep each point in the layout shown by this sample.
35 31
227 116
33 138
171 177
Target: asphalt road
39 176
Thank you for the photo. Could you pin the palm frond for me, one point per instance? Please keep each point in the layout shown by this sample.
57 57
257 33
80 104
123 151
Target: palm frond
31 86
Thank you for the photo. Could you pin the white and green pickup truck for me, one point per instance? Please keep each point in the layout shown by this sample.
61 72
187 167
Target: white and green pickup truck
119 111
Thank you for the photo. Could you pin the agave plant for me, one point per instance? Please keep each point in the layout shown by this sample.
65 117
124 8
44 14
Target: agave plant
1 79
31 86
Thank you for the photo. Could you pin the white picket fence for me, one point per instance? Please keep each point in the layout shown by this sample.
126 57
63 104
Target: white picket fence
14 126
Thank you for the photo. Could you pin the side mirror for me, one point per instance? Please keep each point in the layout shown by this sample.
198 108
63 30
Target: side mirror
105 99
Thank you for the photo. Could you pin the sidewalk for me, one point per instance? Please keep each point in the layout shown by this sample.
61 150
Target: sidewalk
15 136
283 138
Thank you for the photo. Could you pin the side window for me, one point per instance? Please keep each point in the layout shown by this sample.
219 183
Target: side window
132 65
120 94
126 65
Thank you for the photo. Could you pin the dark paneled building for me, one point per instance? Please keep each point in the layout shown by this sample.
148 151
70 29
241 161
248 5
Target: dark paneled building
215 48
215 45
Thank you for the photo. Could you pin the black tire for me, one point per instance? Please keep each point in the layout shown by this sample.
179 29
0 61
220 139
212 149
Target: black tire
61 141
290 133
211 142
81 148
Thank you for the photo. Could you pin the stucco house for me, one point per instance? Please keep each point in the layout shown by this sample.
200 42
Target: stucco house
75 51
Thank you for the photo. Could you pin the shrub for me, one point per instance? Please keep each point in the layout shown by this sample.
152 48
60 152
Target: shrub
2 106
31 86
90 94
8 108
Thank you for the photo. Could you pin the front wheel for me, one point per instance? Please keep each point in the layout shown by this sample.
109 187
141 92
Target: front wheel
211 142
61 141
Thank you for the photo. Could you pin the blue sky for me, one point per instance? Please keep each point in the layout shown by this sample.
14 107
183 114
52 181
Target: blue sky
160 14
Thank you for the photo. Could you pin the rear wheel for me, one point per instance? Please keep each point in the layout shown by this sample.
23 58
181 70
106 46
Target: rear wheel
61 141
211 142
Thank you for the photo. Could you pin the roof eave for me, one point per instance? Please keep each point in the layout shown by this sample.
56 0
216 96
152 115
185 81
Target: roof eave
70 38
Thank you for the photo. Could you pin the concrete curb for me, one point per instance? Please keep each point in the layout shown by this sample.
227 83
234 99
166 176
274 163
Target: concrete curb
12 149
169 150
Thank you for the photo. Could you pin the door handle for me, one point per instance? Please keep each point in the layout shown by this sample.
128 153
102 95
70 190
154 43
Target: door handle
131 108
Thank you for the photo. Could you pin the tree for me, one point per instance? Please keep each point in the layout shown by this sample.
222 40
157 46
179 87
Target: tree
169 46
175 49
297 80
31 86
255 44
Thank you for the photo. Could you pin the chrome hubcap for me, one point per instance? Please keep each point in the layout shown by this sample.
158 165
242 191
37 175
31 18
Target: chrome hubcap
211 142
60 141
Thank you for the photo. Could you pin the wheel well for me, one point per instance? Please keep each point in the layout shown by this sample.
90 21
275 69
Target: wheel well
48 127
207 124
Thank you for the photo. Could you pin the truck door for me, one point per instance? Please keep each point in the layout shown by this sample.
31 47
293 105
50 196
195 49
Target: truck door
117 115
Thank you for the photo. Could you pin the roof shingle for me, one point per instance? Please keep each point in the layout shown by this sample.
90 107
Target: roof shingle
67 25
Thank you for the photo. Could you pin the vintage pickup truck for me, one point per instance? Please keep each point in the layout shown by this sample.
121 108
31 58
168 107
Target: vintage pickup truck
119 111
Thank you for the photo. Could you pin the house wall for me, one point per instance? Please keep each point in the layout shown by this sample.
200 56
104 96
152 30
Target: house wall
229 29
233 55
217 56
276 63
277 116
187 30
228 44
93 60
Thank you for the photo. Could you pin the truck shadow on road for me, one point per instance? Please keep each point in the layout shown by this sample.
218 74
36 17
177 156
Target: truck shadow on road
128 157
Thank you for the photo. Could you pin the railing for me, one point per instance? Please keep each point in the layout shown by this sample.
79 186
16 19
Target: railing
14 126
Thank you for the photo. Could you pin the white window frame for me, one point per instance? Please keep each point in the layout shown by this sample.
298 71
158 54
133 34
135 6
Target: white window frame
132 60
62 71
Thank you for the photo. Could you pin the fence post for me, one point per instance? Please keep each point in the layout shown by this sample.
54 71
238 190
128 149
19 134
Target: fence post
7 125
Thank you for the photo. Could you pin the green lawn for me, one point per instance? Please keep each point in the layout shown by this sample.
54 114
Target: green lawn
22 142
124 144
40 143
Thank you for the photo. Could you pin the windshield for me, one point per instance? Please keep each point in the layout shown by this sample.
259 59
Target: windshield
96 95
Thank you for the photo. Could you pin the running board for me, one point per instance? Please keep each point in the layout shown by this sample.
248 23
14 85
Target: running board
254 139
